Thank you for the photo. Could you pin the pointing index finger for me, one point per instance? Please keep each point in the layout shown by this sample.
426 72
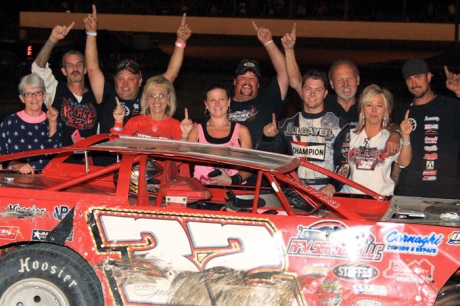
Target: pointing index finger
94 11
69 27
294 29
186 113
274 119
255 26
118 101
182 23
407 114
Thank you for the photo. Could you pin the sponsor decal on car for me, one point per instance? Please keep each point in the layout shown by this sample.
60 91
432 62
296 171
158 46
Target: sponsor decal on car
315 270
454 239
431 133
60 212
367 302
430 178
410 273
400 242
430 165
331 239
355 272
41 235
8 232
34 211
362 288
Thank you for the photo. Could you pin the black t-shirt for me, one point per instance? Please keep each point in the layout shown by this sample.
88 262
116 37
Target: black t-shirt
132 108
74 115
435 143
331 105
256 113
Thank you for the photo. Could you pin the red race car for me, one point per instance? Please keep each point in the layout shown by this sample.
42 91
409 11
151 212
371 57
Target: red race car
143 231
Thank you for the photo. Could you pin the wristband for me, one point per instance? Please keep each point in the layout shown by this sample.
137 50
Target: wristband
91 33
117 128
268 42
236 179
118 124
406 143
180 45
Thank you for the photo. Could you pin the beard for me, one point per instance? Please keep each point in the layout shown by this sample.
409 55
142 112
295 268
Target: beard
418 95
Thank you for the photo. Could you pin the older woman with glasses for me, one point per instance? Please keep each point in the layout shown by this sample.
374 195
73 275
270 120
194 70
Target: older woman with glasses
31 128
158 104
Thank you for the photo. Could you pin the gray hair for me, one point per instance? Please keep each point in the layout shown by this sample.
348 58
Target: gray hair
72 52
340 63
32 80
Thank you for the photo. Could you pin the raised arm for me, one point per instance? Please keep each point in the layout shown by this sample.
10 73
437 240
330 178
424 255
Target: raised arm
276 56
452 81
95 75
293 71
177 57
58 33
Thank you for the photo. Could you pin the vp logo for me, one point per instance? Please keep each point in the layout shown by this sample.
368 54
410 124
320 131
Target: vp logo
60 212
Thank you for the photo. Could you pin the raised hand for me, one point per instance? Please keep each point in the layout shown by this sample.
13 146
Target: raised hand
288 40
184 32
452 81
263 34
186 126
91 21
52 114
59 32
406 125
119 112
271 129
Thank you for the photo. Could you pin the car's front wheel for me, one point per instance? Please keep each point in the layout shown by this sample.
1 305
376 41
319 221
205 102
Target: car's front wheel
47 274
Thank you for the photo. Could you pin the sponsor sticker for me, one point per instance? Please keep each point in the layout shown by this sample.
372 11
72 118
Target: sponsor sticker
454 239
431 140
401 242
8 232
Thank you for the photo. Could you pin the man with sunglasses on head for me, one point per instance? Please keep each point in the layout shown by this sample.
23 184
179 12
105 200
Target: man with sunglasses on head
250 107
75 102
128 76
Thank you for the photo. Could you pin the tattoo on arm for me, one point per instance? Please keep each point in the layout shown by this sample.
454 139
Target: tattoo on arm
44 54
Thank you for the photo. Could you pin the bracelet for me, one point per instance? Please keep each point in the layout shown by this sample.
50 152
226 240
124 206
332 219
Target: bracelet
118 124
268 42
117 128
236 179
406 143
180 45
91 33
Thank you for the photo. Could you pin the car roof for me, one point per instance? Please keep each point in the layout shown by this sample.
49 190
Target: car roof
199 151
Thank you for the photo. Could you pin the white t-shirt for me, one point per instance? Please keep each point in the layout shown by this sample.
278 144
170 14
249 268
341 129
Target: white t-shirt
369 164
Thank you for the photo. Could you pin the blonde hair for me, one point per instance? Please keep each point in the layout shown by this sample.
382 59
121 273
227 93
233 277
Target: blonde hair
149 85
366 96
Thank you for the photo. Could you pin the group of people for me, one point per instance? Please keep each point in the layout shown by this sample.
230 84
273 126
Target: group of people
414 155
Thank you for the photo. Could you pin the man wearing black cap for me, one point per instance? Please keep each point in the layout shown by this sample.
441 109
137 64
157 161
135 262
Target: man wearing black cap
250 107
74 101
435 139
128 75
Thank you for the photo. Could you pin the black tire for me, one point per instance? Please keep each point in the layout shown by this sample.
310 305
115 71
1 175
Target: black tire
43 274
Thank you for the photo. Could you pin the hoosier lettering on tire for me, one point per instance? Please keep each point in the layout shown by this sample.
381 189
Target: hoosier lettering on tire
47 274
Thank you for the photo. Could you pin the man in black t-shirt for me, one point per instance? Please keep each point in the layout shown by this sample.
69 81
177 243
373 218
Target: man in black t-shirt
435 139
248 106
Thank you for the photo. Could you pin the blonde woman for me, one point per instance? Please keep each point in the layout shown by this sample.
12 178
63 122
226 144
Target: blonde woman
370 165
158 105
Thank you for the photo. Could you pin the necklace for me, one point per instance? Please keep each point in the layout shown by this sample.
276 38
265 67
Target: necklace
211 124
155 127
432 98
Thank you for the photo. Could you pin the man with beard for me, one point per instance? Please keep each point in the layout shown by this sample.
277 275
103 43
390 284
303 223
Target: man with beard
128 76
74 101
435 139
250 107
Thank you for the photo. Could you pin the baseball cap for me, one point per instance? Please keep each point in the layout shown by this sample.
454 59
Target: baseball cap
248 65
130 65
414 66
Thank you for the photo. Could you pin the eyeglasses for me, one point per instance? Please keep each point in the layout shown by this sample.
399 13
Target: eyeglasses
37 94
159 96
